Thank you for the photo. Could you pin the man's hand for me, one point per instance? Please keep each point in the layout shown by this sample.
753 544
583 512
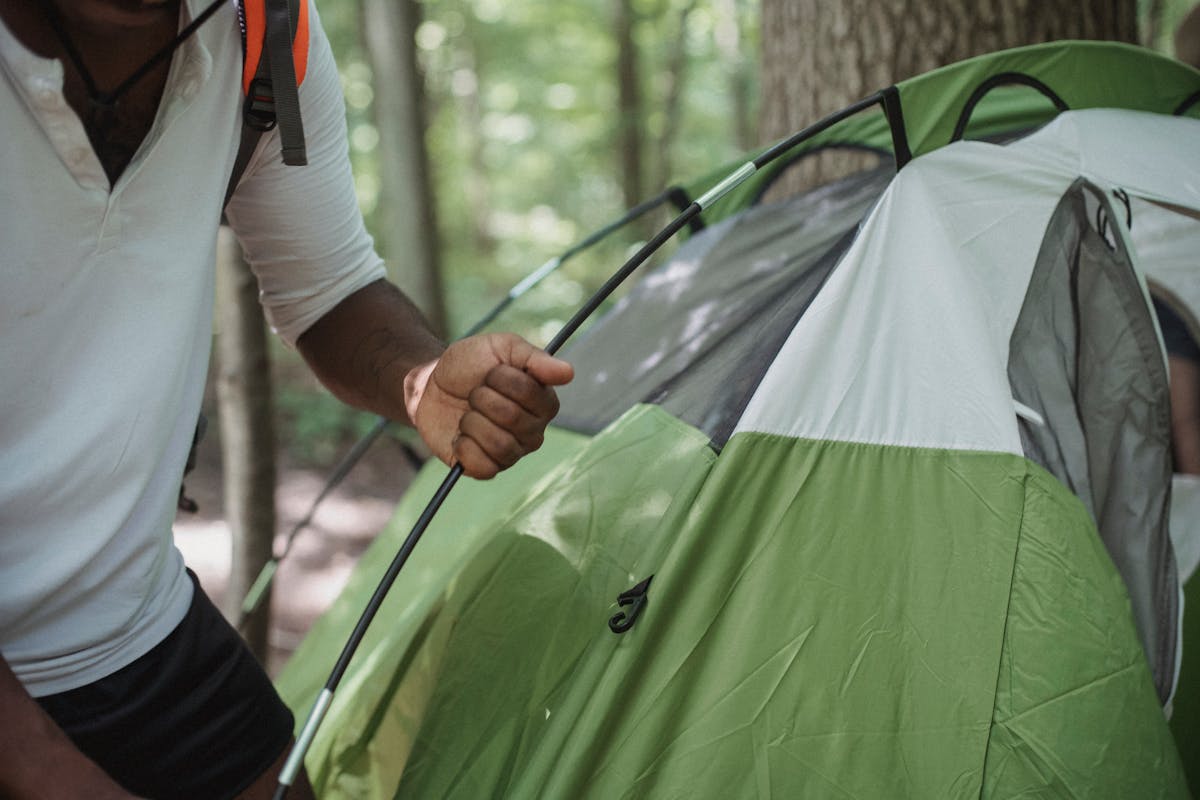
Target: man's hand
486 401
483 402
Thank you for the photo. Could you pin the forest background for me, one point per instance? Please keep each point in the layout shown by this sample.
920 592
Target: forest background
486 137
544 120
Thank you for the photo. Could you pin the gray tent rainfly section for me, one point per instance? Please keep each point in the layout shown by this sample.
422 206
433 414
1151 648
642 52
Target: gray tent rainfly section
697 334
1085 356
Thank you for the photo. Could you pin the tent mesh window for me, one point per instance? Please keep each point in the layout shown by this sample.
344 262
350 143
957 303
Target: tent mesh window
696 335
1085 356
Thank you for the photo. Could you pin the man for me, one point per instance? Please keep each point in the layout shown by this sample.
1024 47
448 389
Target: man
107 238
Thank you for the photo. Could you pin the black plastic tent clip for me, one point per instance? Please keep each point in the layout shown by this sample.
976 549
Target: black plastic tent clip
636 599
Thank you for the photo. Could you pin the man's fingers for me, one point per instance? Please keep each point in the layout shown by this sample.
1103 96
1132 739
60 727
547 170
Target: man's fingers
547 369
524 390
486 446
475 463
505 385
510 416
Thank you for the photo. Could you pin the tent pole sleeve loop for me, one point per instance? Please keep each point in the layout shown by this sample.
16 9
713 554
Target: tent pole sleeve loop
1003 79
894 113
681 200
1187 104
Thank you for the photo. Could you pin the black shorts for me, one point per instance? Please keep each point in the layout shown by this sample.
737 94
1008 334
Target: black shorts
196 717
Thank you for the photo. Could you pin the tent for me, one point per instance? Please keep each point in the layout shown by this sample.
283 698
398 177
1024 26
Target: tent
861 494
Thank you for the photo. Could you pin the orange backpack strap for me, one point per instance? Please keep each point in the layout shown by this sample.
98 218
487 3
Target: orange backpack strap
254 34
273 30
264 106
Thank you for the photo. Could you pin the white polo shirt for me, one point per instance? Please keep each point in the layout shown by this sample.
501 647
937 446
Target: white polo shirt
106 298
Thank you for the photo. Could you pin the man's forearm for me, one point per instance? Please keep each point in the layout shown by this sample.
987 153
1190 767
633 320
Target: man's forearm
36 757
365 348
483 402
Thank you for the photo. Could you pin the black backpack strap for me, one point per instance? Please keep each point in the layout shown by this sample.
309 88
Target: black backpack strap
249 141
282 16
264 107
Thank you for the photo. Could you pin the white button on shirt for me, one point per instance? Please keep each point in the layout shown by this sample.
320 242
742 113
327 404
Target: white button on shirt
105 321
48 98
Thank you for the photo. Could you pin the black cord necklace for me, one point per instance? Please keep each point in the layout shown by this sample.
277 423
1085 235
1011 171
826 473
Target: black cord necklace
103 104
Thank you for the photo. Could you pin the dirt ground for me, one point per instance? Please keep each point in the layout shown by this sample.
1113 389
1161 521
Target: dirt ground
324 553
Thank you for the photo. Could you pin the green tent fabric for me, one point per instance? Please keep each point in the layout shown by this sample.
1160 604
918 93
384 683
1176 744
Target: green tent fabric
863 581
744 609
592 490
1082 74
1185 719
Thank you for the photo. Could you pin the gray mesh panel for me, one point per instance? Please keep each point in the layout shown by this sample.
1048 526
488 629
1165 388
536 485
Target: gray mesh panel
1085 356
696 334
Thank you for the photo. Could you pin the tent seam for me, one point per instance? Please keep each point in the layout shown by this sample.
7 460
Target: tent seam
1004 635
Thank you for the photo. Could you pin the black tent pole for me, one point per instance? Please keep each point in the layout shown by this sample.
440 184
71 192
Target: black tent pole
295 759
266 576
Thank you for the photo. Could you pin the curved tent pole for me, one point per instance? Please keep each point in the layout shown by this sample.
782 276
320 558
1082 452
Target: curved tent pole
798 157
266 576
1003 79
295 759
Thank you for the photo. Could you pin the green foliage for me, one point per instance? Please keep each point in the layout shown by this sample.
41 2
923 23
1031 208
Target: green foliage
521 116
521 133
315 425
1157 21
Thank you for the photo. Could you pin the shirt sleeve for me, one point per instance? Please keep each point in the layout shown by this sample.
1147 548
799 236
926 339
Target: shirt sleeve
300 227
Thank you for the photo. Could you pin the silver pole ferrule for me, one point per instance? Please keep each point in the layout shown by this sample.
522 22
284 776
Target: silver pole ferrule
725 186
534 277
295 759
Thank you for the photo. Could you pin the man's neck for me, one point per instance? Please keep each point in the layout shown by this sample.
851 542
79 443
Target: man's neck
90 21
114 38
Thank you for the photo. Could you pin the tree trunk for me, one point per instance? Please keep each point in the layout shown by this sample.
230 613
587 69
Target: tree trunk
675 77
729 38
819 56
1152 23
629 105
247 433
408 233
478 184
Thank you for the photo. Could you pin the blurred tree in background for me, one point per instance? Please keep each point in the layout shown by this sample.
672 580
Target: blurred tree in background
408 233
546 119
488 136
852 48
525 125
522 108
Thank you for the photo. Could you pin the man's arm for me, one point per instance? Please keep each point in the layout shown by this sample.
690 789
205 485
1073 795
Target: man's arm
483 402
36 757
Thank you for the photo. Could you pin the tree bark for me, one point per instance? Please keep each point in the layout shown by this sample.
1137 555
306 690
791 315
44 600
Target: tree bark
478 185
675 78
1152 24
247 433
819 56
408 235
629 105
729 43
